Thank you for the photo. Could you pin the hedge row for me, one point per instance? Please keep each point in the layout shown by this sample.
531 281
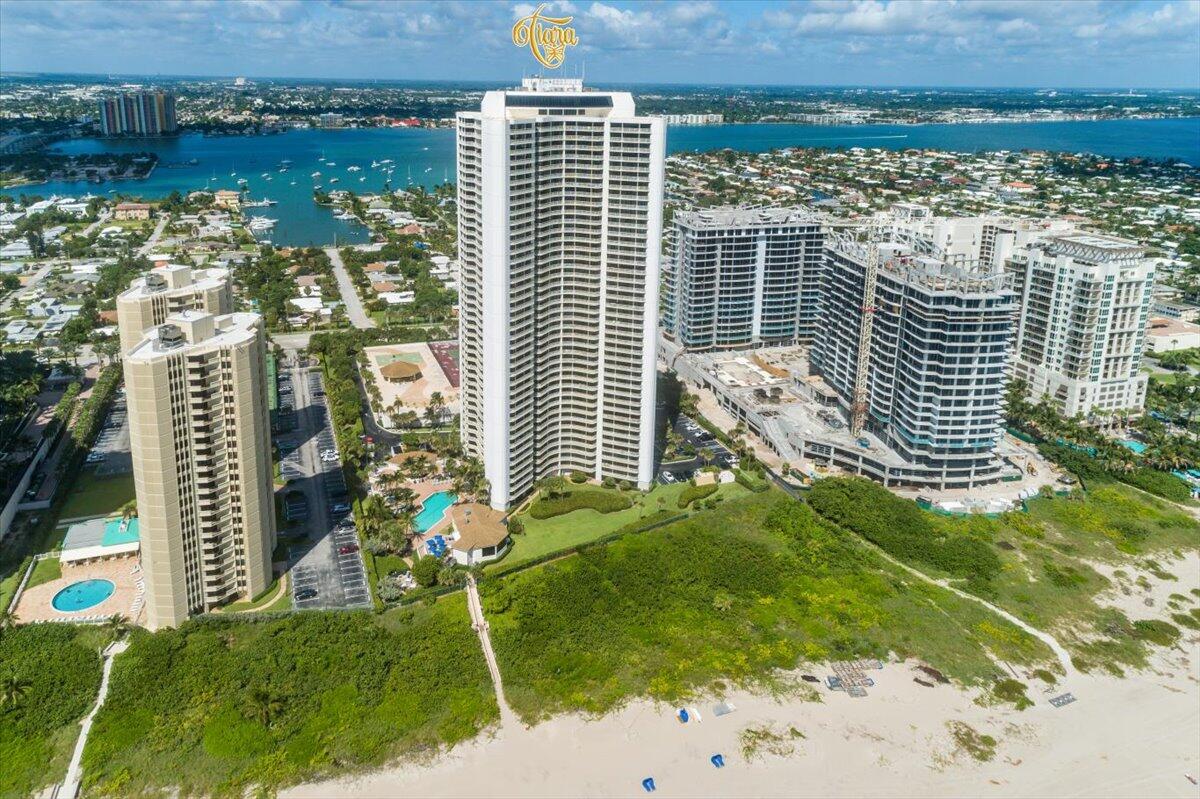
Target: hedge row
902 529
694 492
602 501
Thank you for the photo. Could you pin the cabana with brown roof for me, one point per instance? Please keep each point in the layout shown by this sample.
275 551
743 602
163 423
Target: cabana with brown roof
401 458
480 534
401 372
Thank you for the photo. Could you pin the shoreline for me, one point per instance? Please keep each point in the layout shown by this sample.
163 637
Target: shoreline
1134 735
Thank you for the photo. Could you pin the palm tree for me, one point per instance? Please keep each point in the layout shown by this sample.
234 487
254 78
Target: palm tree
12 690
8 620
117 626
262 706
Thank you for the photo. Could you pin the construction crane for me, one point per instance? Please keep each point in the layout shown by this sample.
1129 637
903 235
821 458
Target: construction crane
858 410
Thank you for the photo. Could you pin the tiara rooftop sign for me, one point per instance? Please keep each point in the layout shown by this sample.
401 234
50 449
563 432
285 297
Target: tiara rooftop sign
547 37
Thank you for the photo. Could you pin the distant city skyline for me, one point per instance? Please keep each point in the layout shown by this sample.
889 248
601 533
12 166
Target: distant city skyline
1087 44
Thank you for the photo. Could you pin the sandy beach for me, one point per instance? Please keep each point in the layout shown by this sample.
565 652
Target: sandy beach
1136 736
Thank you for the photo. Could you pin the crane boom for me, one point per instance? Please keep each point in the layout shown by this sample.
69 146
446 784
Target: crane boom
858 411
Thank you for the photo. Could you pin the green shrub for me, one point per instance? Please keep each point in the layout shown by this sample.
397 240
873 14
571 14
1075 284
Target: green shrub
693 493
602 501
1155 631
755 481
425 571
1012 692
579 477
902 529
220 705
58 670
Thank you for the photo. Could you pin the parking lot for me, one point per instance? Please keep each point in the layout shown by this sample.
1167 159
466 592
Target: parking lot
701 439
111 452
326 567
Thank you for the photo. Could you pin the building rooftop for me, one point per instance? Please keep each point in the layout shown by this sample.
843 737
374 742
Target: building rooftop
478 526
175 277
747 217
194 332
1095 247
98 538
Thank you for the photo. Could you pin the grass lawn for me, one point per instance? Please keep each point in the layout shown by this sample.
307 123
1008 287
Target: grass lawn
225 703
385 564
259 602
726 596
46 570
543 536
62 668
97 496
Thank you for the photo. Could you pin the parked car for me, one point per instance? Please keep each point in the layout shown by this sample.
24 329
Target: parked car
349 549
340 507
306 593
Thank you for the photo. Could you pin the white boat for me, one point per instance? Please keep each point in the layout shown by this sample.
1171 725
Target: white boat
354 169
333 180
261 223
374 165
265 175
315 175
293 183
330 163
360 180
428 169
344 215
386 161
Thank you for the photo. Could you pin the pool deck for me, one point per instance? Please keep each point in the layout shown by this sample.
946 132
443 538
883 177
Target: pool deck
35 604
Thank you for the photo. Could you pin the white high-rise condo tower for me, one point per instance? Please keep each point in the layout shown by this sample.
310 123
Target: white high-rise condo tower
200 437
560 222
1085 306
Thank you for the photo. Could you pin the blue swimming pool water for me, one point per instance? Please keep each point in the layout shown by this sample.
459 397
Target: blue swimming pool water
1136 446
120 531
82 595
432 511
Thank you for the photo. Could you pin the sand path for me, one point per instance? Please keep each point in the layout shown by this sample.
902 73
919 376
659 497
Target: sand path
1064 657
508 719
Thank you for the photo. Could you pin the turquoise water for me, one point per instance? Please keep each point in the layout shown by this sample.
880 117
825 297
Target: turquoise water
432 510
82 595
426 157
113 534
1136 446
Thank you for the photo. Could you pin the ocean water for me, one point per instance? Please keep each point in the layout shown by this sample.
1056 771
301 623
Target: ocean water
426 157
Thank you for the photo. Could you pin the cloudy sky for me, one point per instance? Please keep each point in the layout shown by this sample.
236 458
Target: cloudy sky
1142 43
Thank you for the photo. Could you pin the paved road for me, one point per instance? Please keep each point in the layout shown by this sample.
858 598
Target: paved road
101 218
42 271
316 564
292 341
150 242
354 307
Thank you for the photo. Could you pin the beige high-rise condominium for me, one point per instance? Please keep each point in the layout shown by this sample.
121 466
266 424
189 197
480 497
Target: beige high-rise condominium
560 222
200 436
170 289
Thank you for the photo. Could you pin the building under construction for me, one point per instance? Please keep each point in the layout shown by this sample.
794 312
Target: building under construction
912 354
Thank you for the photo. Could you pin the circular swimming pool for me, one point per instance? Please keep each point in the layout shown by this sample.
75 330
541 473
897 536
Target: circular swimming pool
82 595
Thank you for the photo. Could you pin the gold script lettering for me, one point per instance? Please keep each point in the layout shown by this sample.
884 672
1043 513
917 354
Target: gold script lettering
547 37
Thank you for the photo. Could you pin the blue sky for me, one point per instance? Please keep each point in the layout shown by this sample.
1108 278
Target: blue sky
1147 43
